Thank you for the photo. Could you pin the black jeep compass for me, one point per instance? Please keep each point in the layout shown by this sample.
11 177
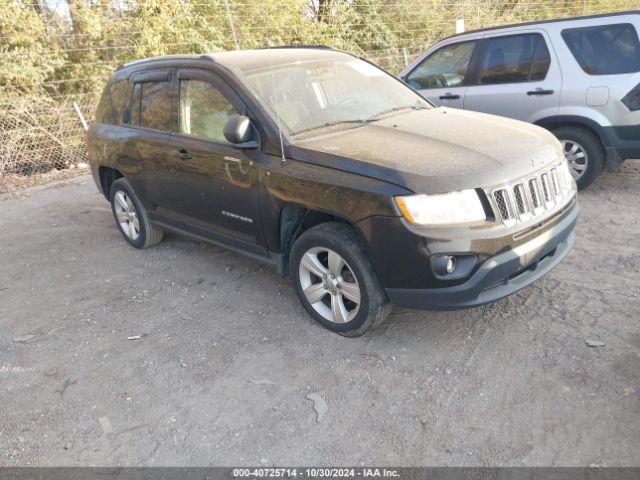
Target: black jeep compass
338 174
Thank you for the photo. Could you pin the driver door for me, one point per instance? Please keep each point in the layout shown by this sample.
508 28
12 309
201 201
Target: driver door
443 76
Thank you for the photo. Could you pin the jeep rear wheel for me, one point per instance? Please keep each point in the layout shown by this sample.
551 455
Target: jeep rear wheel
335 281
131 217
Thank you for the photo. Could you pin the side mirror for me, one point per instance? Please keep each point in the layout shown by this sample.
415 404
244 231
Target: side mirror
239 131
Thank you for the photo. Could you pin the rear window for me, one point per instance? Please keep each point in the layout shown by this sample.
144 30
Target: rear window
119 100
605 50
515 58
151 105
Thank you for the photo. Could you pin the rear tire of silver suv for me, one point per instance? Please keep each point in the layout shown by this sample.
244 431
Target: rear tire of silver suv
584 152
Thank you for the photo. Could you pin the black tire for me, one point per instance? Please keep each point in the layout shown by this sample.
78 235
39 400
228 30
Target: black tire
374 305
148 234
593 148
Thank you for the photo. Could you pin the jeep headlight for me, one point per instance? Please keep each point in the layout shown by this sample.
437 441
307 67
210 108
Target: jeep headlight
442 209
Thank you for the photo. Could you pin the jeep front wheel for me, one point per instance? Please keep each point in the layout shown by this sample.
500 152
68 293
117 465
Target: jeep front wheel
335 281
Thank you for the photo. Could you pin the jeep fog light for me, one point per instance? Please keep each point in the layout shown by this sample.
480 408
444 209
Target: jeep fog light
444 264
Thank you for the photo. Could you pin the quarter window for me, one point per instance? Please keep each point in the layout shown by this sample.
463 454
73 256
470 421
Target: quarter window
151 105
605 50
514 59
119 99
204 110
446 67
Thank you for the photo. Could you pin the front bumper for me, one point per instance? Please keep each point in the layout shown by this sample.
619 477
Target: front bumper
499 276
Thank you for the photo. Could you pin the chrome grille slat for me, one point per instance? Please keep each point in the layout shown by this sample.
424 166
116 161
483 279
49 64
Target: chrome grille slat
522 199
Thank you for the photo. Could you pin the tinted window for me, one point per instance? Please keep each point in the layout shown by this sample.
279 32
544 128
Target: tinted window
203 110
155 105
151 105
135 104
516 58
119 100
606 50
446 67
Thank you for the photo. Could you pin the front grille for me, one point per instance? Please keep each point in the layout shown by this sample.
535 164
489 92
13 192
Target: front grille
545 191
501 201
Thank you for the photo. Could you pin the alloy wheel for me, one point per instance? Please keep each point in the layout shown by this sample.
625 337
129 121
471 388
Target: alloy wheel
329 284
577 157
126 215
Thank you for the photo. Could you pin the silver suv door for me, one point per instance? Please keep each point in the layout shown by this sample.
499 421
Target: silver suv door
442 75
519 77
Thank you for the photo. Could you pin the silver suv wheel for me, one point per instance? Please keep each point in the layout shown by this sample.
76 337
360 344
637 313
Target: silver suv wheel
577 157
330 286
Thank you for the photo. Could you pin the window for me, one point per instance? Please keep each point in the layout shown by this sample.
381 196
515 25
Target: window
516 58
119 99
446 67
605 50
151 105
309 97
204 111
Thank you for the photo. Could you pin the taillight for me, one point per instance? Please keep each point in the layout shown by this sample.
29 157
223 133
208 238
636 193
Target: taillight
632 99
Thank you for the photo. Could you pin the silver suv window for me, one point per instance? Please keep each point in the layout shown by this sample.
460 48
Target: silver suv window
605 50
515 58
446 67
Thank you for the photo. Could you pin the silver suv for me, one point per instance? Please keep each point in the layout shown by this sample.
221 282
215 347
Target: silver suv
578 77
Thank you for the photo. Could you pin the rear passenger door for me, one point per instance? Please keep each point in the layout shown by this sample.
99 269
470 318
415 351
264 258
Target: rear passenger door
148 117
518 77
443 75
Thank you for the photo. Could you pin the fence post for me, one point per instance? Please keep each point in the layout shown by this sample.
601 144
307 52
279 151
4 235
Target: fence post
404 55
233 30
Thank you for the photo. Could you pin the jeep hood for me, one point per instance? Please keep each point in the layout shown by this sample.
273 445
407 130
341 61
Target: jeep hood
435 150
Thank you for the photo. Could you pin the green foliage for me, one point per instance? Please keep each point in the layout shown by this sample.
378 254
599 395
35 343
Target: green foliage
65 53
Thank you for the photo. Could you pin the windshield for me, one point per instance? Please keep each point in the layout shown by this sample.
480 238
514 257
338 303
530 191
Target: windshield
309 96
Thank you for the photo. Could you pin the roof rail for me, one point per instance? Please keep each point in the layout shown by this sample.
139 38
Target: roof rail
321 47
541 22
159 58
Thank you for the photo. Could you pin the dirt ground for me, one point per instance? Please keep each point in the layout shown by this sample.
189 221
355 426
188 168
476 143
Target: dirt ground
227 356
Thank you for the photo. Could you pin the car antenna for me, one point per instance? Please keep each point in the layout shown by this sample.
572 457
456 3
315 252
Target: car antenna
275 105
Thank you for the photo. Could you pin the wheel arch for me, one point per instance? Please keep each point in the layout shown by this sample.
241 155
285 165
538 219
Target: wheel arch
556 121
107 175
293 220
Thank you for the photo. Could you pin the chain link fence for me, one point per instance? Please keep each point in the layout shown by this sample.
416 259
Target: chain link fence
56 52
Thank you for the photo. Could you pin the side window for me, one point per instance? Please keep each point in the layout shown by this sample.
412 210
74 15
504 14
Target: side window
514 59
446 67
135 104
119 99
605 50
151 105
204 110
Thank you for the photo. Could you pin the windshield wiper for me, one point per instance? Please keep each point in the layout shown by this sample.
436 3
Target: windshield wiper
333 124
417 106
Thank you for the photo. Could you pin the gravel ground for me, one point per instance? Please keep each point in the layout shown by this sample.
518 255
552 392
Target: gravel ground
227 356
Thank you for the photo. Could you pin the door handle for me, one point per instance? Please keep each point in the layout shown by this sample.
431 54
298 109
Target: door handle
449 96
539 91
183 154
